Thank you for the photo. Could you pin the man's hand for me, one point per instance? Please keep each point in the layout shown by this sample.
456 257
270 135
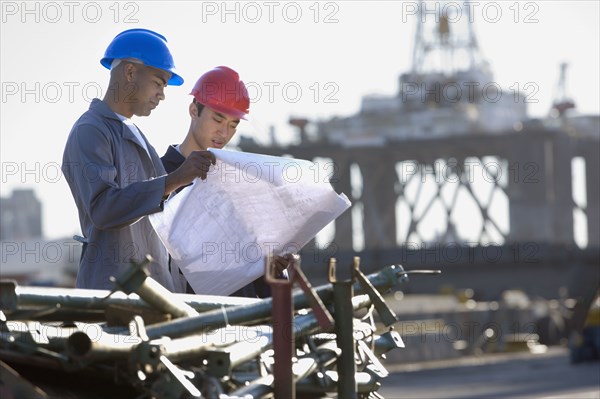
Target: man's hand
195 165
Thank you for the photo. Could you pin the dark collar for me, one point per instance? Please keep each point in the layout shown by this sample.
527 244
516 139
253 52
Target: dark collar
172 159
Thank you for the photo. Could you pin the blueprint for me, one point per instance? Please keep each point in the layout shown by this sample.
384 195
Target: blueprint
219 230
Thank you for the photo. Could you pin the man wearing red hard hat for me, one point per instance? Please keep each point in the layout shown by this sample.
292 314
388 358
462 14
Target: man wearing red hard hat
220 101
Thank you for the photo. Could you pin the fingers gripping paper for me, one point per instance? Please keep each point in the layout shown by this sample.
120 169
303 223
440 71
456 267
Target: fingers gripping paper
218 231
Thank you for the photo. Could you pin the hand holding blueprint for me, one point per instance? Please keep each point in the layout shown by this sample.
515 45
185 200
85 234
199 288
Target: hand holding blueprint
218 231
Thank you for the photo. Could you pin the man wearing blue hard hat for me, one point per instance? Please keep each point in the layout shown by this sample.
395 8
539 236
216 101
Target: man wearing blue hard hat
115 175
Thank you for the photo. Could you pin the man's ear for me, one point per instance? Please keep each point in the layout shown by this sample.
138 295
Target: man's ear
130 71
193 110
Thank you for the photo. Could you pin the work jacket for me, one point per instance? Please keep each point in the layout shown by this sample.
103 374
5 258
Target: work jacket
115 184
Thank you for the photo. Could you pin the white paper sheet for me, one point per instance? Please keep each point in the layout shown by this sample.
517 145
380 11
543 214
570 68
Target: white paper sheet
218 231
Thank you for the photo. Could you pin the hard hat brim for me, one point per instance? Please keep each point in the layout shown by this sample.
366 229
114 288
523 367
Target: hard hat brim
175 79
227 111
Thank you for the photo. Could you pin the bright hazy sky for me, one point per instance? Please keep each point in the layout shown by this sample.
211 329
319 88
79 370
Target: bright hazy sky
333 52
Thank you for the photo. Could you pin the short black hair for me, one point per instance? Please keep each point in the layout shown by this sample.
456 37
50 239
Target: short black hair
199 106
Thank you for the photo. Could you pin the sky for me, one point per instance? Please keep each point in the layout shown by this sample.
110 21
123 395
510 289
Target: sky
306 58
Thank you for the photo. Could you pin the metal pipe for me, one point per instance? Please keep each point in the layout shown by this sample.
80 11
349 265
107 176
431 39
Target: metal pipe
137 279
15 298
346 366
193 346
81 346
255 313
386 342
33 334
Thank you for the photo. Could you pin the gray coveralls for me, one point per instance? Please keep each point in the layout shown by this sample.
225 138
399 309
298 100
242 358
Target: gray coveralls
115 185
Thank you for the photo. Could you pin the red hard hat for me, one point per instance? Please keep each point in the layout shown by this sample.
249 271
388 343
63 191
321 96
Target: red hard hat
222 90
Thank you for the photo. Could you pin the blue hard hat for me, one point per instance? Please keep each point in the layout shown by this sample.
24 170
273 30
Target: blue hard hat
145 45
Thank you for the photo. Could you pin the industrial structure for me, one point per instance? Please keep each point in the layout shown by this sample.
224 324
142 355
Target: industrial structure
451 172
445 175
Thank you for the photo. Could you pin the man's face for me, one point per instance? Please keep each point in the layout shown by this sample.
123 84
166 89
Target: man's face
146 90
212 129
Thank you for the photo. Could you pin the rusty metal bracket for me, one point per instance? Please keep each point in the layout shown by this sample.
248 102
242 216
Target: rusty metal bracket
296 275
388 317
283 336
321 313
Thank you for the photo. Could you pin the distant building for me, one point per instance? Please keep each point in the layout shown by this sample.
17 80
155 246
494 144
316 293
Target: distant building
27 257
20 216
